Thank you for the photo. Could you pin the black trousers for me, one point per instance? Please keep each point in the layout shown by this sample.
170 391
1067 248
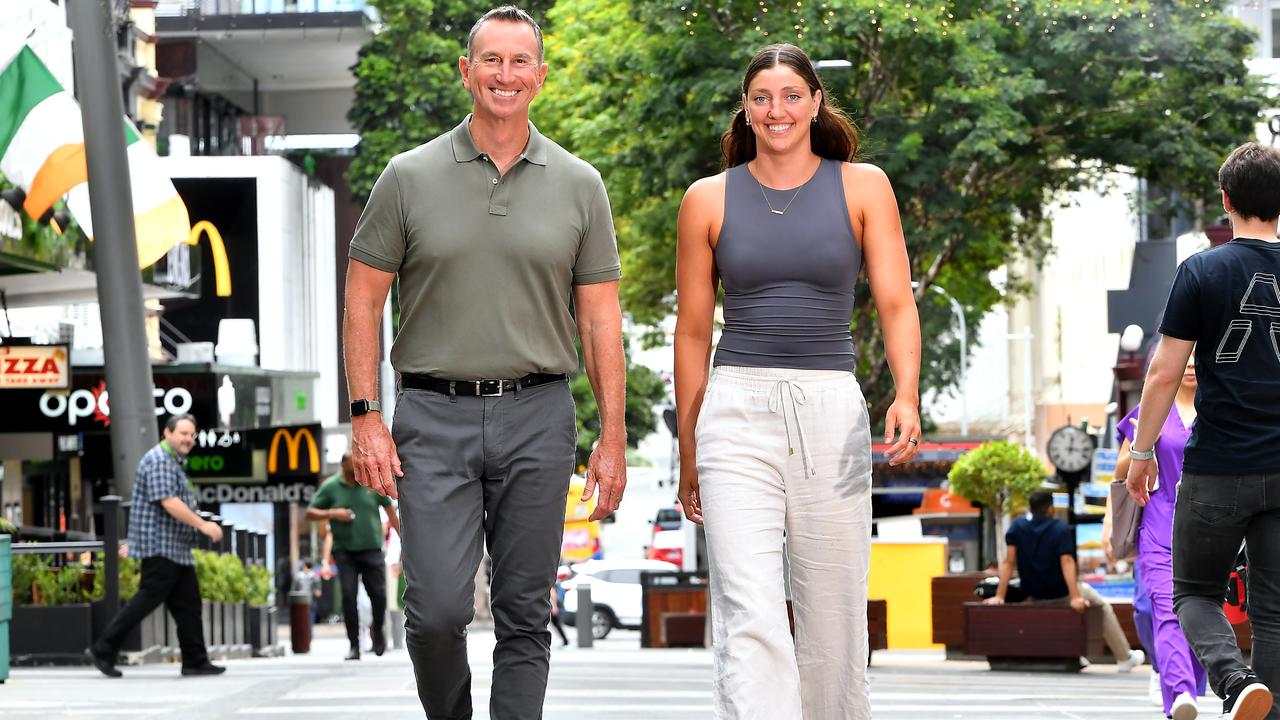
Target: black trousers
1214 513
163 581
369 566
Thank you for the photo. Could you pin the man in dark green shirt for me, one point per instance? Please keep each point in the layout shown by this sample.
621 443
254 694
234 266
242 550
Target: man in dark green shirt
356 535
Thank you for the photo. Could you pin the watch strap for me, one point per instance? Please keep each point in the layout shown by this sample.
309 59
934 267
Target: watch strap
1141 454
364 407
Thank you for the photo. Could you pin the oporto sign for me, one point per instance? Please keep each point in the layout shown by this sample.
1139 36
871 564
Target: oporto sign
94 404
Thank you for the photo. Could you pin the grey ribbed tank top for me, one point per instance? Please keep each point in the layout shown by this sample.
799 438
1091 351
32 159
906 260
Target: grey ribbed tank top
788 279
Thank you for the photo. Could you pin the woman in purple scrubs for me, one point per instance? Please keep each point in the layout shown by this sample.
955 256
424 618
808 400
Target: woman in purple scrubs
1180 672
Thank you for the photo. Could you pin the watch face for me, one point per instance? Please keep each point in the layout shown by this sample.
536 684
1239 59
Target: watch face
1070 449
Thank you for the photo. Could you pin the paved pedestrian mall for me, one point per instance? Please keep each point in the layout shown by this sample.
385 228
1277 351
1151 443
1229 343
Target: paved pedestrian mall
615 679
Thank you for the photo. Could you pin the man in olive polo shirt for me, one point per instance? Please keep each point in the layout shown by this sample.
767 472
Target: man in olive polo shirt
504 247
355 539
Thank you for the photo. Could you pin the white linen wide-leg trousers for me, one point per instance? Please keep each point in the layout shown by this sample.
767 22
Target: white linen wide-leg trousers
787 451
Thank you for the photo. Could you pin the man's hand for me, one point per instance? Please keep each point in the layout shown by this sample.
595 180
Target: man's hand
993 600
373 455
690 499
1142 480
606 470
342 514
1079 604
211 529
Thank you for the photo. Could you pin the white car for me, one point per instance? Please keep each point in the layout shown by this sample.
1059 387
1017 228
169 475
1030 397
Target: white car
615 592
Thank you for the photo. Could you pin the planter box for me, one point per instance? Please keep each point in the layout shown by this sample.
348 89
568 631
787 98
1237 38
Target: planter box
56 634
258 625
236 612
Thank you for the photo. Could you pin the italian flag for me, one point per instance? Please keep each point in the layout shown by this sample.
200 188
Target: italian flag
42 152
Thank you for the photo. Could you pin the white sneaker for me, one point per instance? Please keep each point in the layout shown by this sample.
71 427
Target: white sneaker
1184 708
1135 659
1153 690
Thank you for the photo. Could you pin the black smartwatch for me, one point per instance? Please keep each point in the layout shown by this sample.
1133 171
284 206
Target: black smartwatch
363 407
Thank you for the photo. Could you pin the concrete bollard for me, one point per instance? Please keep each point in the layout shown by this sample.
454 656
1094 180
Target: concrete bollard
584 616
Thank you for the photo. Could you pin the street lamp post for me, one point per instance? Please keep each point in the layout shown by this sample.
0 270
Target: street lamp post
958 312
964 359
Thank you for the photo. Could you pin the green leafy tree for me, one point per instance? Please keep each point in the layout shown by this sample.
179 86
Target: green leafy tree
982 115
992 475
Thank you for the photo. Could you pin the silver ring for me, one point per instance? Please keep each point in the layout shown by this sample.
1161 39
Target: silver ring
913 441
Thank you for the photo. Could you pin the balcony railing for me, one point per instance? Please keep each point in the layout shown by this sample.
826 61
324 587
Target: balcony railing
178 8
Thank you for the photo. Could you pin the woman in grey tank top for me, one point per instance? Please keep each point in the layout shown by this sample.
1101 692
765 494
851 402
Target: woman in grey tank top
781 441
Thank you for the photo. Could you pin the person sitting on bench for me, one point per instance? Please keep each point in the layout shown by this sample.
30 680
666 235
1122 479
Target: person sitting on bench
1044 551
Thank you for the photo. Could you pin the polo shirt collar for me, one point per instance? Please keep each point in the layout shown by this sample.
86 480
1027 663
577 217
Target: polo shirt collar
465 150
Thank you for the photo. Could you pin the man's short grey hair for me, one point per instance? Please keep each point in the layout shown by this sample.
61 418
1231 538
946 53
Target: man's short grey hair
506 13
172 423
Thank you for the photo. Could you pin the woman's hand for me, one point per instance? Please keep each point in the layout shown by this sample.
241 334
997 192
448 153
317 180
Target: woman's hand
905 419
690 500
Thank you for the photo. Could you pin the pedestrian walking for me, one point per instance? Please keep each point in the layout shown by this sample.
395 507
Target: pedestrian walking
555 618
1181 678
162 533
307 581
1224 305
504 248
354 541
777 443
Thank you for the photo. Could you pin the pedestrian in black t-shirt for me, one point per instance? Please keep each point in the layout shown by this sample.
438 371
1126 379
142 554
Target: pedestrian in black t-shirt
1044 551
1225 304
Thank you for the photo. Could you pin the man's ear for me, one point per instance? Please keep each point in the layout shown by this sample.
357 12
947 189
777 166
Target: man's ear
1226 203
464 69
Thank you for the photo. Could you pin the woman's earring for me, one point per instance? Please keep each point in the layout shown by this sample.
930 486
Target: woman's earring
748 117
815 119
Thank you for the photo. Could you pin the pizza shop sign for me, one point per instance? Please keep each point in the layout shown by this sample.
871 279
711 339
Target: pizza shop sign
34 366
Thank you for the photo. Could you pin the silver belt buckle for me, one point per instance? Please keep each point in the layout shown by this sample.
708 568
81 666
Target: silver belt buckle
489 388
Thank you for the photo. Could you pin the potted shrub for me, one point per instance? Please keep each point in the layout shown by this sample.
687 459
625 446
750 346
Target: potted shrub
261 613
234 594
52 616
209 575
993 475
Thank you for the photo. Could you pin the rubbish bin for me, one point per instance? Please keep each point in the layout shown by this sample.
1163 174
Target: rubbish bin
300 621
6 604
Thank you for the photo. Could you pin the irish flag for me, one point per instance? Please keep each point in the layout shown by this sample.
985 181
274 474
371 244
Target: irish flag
42 152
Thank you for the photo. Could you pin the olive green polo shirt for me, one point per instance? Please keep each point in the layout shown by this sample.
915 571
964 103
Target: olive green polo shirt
364 532
487 261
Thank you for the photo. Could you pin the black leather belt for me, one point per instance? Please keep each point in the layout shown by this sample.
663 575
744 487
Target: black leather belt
483 388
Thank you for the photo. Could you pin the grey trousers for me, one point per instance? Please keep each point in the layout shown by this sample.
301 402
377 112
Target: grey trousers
482 471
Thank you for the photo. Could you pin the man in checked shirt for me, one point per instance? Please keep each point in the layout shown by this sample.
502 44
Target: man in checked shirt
162 532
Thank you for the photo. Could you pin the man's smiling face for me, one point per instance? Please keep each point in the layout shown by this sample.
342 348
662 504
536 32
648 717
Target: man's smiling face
504 71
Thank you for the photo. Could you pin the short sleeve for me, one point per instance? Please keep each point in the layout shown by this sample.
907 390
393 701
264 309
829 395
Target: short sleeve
1127 426
1011 535
323 499
598 252
1066 541
1182 311
379 241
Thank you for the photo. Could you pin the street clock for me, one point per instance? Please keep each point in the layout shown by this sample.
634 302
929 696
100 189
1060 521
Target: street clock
1070 449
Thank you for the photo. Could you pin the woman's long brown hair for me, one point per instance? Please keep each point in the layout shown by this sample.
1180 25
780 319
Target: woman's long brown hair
832 136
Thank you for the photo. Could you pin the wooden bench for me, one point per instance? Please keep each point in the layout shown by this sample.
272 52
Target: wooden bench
1027 636
949 594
